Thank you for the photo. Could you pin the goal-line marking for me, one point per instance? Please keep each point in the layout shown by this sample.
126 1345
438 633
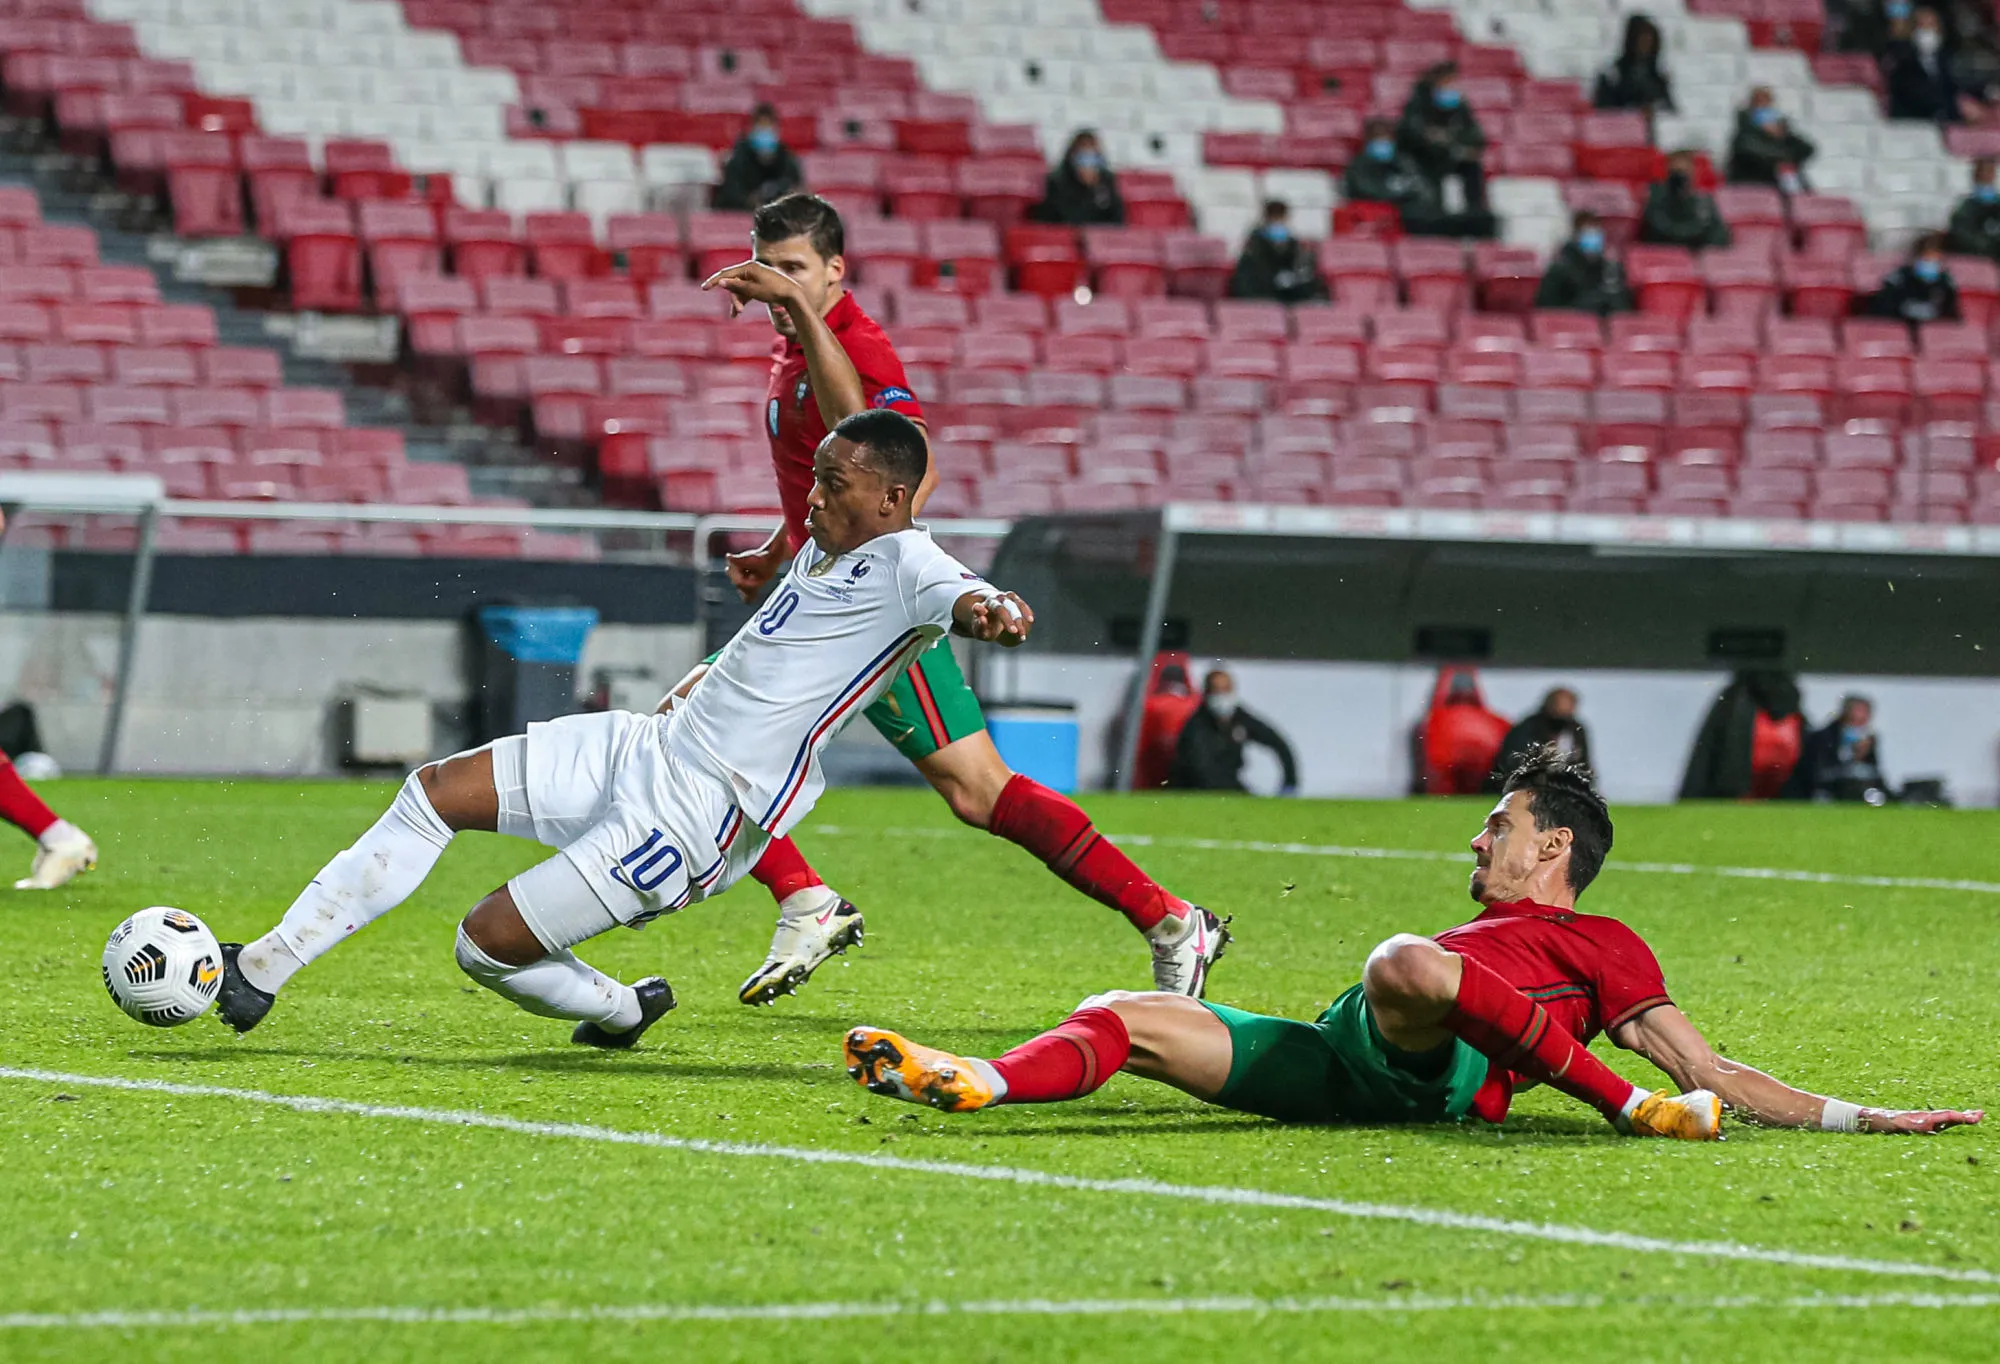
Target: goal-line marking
1251 845
1007 1174
1042 1307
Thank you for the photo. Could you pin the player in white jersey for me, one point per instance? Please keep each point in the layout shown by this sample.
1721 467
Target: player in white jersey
651 813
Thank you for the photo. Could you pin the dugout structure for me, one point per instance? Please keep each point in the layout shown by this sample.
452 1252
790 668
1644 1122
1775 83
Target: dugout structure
1507 589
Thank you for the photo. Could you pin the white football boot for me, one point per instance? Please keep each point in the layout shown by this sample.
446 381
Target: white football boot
807 936
1184 947
62 853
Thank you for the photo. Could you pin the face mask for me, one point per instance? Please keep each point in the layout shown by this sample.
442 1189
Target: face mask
1985 194
1590 241
1382 149
1221 704
1766 116
1448 98
1277 232
1926 270
1928 41
764 141
1897 9
1089 160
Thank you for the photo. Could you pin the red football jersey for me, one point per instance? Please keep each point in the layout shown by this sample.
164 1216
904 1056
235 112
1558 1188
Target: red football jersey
791 417
1589 972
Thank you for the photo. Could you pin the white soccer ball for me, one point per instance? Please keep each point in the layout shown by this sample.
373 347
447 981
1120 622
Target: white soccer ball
163 966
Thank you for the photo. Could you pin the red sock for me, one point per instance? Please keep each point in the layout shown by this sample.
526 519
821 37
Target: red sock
1508 1027
784 871
1067 1062
21 807
1055 829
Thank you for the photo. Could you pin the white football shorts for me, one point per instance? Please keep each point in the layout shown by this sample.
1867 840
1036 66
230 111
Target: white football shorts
648 834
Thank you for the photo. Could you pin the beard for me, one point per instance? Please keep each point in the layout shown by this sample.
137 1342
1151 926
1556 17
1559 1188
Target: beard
1477 887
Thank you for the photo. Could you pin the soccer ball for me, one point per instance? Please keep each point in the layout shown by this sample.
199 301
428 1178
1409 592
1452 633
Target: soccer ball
163 966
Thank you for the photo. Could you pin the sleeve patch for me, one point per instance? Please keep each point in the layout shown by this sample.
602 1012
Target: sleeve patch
889 397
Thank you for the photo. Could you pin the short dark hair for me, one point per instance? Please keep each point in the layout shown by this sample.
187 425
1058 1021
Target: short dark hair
895 444
765 109
1276 208
1930 241
1562 794
802 215
1585 218
1378 126
1208 682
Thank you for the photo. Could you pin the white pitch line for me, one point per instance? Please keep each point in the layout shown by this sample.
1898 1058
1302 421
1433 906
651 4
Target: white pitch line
1007 1174
1820 878
1042 1307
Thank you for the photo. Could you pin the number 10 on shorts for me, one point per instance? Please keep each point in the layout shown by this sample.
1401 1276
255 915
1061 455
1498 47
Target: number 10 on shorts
648 866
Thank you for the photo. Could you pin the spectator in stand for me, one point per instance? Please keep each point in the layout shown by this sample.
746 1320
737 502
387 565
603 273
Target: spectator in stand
1584 276
1276 265
1555 723
1209 756
760 168
1920 290
1382 173
1634 80
1081 191
1439 132
1678 213
1975 223
1765 150
1921 69
1844 760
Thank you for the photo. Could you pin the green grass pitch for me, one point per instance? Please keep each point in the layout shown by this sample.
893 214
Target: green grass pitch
120 1202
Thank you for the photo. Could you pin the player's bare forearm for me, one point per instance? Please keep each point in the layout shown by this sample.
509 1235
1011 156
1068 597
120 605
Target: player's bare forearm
1665 1036
836 384
679 691
929 485
995 617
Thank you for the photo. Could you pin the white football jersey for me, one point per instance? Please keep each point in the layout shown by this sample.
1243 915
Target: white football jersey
830 640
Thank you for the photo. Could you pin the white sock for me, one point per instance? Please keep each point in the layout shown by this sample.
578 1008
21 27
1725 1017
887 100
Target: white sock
60 832
811 900
989 1073
1623 1122
382 869
1172 928
558 986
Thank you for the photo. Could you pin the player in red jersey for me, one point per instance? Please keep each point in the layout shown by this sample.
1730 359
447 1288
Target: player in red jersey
1438 1028
62 851
831 361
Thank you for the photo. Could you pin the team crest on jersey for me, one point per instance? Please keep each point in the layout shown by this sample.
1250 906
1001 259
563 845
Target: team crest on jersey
799 394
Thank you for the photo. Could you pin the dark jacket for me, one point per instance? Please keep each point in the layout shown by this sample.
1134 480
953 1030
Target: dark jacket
1830 768
1908 299
1285 271
1209 756
1719 766
1755 153
1591 284
1975 228
1634 83
1438 140
750 179
1066 199
1530 734
1917 91
1399 181
1681 215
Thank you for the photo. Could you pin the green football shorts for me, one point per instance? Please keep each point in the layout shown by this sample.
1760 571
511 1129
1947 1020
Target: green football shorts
1337 1069
930 705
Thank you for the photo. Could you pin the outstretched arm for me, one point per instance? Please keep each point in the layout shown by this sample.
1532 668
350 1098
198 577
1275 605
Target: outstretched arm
1664 1036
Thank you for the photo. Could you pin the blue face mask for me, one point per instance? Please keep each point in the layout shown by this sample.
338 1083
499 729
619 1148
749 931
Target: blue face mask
1448 98
1088 160
1382 149
1766 116
1277 232
1850 735
1590 241
764 141
1926 270
1985 194
1897 9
